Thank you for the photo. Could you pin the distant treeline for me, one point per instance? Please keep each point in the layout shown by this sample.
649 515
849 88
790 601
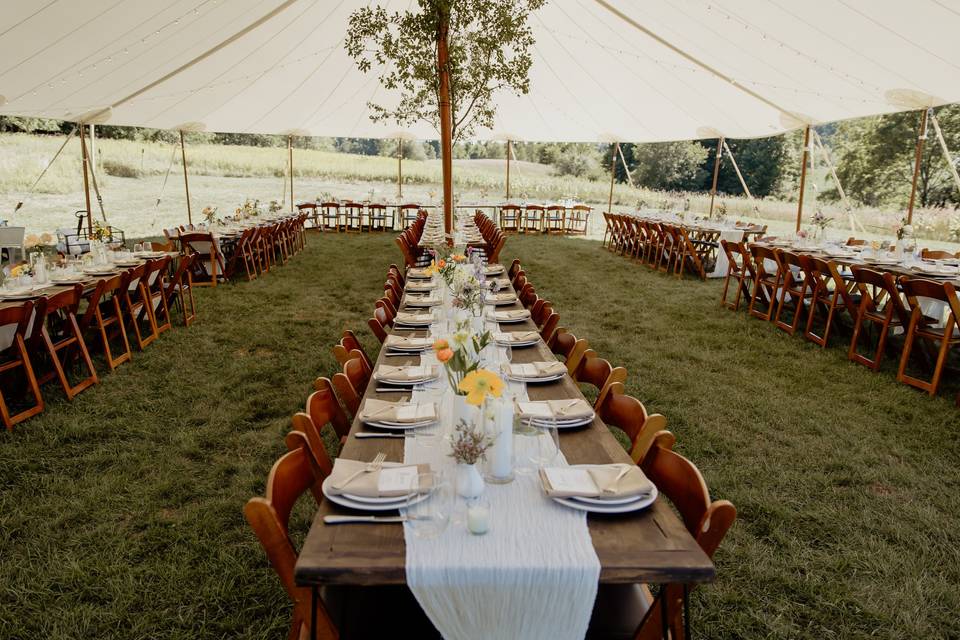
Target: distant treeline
873 157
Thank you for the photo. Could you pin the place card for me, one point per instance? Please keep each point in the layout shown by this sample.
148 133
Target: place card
394 480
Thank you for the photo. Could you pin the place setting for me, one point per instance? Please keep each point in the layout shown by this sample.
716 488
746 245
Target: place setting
509 316
599 488
405 375
422 300
516 338
415 320
534 372
376 486
407 344
403 415
498 299
561 414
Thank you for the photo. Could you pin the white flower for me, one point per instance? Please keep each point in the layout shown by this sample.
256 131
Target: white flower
908 229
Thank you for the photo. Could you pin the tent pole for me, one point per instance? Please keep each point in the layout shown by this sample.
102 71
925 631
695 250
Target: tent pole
803 174
446 117
290 154
626 169
917 160
400 168
613 174
508 168
716 174
86 179
93 148
186 183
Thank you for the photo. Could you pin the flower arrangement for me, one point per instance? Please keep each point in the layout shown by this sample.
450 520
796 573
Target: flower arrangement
721 214
903 229
479 384
249 209
275 206
821 221
22 269
469 444
460 357
101 232
209 214
802 234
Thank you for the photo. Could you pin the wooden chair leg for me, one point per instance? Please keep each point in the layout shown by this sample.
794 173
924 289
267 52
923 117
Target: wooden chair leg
8 419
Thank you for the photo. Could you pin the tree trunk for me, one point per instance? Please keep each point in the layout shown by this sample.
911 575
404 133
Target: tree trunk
446 119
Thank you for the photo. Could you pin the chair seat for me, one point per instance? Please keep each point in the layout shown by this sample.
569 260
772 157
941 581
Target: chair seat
618 611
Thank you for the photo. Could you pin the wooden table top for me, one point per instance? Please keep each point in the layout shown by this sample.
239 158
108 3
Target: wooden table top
650 546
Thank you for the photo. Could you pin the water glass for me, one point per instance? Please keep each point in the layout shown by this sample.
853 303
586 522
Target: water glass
547 448
428 517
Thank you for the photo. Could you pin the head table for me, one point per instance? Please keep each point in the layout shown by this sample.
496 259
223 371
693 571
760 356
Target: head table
648 546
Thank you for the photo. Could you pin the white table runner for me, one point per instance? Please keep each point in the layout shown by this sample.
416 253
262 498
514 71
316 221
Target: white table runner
533 576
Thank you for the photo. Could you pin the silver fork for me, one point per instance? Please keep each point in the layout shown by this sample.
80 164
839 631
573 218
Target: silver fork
373 465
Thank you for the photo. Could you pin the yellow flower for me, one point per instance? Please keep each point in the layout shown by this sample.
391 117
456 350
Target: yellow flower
15 272
432 269
479 384
460 339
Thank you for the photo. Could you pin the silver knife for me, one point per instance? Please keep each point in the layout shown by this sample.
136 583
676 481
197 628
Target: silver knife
363 519
382 435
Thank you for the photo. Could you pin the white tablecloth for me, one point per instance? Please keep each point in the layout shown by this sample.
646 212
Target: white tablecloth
533 576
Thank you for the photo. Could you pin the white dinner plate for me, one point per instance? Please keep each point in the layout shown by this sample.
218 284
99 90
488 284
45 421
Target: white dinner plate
353 503
518 343
73 280
636 505
608 501
492 318
549 378
421 303
426 322
128 263
100 272
399 426
493 270
405 383
18 295
562 423
499 303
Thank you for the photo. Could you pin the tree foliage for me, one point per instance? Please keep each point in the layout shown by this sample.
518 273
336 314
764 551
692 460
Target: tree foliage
489 51
875 156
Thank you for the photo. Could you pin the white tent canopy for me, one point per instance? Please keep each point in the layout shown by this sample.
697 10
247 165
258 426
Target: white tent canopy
603 69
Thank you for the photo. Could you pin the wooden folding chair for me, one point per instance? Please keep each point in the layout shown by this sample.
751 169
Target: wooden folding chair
840 298
291 476
600 374
798 286
14 323
629 415
765 285
533 218
135 301
105 315
739 268
209 266
567 346
349 342
179 290
624 610
60 332
880 304
323 407
934 330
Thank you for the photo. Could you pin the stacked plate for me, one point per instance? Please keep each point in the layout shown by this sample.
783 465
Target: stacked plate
500 299
610 505
413 319
936 270
365 503
17 294
535 372
407 345
509 317
517 339
421 301
540 414
405 376
375 414
100 270
493 269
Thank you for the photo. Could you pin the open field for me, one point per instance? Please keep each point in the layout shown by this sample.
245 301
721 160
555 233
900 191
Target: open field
134 176
120 513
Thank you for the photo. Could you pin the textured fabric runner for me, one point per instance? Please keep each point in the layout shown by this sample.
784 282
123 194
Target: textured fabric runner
533 575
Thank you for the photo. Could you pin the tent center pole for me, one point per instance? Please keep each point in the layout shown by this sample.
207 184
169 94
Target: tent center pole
613 174
186 182
803 174
86 179
716 174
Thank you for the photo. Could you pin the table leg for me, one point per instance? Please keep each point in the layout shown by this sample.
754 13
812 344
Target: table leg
313 612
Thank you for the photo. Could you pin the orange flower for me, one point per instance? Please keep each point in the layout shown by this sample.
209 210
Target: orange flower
442 263
440 345
444 354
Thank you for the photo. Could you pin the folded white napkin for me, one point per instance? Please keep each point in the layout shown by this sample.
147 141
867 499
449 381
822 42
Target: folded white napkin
595 481
390 481
408 342
374 410
404 317
561 409
516 336
512 314
534 370
405 373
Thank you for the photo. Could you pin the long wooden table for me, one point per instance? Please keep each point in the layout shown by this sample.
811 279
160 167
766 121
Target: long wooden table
650 546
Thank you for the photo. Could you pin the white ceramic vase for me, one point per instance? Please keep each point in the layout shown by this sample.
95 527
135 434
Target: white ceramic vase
469 481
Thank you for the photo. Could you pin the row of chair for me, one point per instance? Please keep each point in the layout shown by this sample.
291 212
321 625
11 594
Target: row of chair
47 338
661 246
805 293
252 254
356 217
537 218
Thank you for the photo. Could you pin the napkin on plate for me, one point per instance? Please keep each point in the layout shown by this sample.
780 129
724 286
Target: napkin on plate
404 373
516 336
404 317
374 410
417 272
506 296
421 285
595 481
512 314
570 409
393 479
394 340
534 370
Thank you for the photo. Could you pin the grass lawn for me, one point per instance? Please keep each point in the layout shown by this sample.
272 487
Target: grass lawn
120 515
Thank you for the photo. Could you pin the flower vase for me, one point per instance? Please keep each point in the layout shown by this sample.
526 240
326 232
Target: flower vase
476 321
469 481
463 411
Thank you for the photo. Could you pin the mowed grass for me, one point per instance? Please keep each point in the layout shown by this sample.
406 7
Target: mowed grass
121 513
